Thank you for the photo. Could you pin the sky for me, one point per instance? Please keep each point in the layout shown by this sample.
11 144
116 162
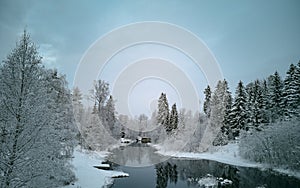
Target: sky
248 39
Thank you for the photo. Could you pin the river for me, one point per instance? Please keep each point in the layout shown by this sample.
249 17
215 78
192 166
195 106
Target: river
146 171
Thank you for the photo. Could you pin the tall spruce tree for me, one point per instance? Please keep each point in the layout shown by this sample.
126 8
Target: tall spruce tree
110 114
174 117
265 102
228 106
207 100
298 80
220 108
291 93
275 107
163 111
238 114
256 104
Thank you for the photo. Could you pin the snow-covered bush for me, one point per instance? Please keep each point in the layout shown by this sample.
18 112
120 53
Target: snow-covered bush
277 145
94 135
188 136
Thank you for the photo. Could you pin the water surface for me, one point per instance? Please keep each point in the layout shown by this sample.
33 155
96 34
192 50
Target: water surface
183 173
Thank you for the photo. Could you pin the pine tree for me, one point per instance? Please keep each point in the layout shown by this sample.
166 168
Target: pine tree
220 108
77 104
207 100
228 106
167 124
163 111
110 114
181 118
239 110
76 96
275 86
297 77
256 105
174 117
265 102
291 93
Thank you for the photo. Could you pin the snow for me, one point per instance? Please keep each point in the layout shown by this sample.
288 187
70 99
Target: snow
208 182
126 140
227 154
88 176
288 172
211 181
103 165
226 182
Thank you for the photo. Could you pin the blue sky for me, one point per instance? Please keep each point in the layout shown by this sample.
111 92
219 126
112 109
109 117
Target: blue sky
249 39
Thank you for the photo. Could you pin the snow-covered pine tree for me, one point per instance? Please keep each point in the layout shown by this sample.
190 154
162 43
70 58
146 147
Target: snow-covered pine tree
220 106
182 119
291 93
163 111
256 108
63 130
93 132
110 114
265 101
227 118
275 86
77 104
206 104
298 83
76 96
174 117
238 114
143 121
78 111
34 150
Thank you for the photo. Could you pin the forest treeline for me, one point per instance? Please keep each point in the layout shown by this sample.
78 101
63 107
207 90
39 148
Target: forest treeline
255 105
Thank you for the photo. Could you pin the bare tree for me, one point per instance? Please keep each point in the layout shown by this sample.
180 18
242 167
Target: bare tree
100 93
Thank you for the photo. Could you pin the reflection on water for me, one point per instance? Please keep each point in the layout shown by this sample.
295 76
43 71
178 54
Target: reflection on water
185 173
165 172
136 155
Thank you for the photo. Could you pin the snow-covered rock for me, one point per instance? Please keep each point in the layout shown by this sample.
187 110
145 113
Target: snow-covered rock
126 141
208 182
213 182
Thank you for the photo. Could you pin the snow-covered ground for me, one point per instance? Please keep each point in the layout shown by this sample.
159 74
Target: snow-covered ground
228 154
88 176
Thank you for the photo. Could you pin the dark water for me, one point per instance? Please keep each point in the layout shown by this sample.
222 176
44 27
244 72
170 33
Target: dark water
182 173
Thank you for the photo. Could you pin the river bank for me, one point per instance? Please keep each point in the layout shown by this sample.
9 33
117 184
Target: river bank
88 176
228 154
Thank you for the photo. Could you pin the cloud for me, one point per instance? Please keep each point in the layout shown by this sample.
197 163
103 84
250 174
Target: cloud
49 56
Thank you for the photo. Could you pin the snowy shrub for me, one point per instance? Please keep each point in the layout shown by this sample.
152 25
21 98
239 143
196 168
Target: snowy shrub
188 136
277 145
220 140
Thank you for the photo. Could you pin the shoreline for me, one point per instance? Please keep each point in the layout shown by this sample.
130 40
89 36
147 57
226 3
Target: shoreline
227 154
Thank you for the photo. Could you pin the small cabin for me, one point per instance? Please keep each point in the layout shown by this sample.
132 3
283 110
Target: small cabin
146 140
143 139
